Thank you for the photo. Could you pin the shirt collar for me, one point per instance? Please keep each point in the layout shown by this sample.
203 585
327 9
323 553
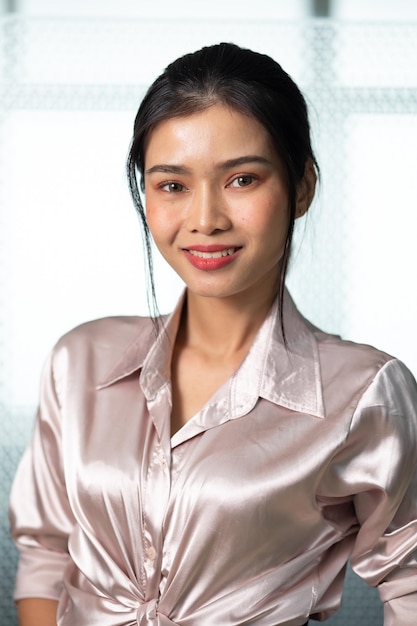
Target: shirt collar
288 375
150 351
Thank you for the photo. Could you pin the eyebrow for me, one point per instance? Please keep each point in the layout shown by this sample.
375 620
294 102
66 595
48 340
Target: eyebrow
168 169
243 160
181 170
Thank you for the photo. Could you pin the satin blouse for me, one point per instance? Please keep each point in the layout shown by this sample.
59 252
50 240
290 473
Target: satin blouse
304 458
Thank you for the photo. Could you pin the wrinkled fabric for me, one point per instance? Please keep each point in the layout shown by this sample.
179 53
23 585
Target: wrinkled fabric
248 514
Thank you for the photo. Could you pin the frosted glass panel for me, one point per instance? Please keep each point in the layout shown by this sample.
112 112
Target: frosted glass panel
73 51
364 59
382 259
72 238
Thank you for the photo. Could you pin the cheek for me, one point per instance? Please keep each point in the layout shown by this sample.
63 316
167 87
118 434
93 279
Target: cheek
269 219
151 217
157 221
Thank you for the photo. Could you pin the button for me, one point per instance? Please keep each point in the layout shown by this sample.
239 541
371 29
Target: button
151 553
160 457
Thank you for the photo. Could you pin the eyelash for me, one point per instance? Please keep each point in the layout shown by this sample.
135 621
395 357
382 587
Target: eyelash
171 183
172 186
252 178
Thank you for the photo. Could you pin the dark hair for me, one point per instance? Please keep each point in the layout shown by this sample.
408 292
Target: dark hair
246 81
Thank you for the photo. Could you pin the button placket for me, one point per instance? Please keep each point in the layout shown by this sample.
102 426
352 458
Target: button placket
155 505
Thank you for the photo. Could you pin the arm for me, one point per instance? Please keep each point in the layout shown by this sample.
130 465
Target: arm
40 515
382 472
35 611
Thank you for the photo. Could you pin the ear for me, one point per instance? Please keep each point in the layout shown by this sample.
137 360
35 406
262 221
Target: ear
306 189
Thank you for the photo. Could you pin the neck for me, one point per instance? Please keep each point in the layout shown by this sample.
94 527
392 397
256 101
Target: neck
223 326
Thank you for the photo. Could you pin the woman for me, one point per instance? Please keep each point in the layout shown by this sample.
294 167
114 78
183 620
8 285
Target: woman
220 466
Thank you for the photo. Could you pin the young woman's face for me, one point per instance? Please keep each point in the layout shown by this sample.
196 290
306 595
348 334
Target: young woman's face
217 202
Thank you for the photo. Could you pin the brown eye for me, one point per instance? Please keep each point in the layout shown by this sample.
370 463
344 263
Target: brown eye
243 181
172 187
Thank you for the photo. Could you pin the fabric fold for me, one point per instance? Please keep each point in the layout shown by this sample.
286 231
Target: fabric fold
304 458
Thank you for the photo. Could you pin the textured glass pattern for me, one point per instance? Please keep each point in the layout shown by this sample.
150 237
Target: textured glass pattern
68 237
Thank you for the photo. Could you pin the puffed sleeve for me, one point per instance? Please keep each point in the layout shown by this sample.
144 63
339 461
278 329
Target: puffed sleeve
40 516
380 466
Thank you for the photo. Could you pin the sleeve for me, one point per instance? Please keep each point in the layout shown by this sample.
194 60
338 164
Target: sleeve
382 468
40 515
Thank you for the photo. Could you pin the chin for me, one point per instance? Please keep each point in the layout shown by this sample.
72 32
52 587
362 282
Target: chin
213 291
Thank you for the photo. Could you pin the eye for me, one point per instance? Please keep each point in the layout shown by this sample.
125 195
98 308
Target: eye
245 180
172 187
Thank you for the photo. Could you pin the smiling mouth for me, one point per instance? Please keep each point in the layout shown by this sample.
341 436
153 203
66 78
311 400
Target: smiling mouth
213 255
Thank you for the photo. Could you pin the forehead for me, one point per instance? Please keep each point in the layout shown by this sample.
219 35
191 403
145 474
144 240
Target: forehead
219 131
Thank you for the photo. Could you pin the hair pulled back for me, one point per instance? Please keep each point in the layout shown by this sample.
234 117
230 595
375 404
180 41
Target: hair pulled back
246 81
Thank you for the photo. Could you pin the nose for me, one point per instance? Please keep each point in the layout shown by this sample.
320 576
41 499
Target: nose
207 211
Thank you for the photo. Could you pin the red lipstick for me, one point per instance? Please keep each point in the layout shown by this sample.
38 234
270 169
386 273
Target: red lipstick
212 257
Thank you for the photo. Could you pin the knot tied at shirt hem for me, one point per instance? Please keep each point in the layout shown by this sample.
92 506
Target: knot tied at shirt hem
148 615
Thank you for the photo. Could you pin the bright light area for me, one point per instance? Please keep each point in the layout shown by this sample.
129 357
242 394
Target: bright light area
166 9
382 233
73 241
374 10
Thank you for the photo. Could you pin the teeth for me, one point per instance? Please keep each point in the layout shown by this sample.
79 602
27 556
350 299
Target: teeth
212 255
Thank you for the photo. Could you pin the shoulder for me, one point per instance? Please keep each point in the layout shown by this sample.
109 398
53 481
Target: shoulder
107 330
368 372
94 348
343 354
341 362
107 333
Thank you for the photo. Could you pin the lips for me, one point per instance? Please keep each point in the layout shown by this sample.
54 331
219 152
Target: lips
212 257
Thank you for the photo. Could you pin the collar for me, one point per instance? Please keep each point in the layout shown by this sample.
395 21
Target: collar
149 353
288 376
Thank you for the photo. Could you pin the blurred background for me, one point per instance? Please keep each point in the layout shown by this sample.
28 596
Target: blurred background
72 74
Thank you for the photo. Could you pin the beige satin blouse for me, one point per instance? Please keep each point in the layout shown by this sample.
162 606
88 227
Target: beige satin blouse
248 514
